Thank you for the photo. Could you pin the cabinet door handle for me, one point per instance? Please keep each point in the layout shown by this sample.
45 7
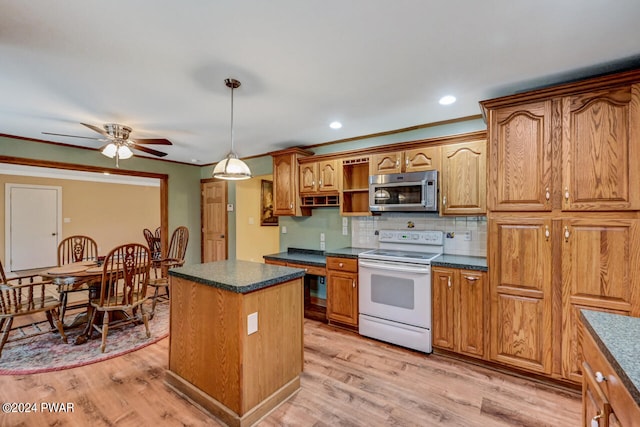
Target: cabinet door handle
406 162
547 233
471 278
449 283
595 421
444 200
290 205
567 234
566 193
599 377
547 194
313 183
353 283
340 264
320 183
397 162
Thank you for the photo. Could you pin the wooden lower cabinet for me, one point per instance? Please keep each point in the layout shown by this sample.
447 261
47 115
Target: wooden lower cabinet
605 400
599 272
458 301
342 291
520 292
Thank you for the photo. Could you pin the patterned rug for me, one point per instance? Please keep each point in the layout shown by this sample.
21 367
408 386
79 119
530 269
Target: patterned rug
47 352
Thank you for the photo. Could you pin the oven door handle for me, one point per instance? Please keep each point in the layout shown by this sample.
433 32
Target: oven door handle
395 267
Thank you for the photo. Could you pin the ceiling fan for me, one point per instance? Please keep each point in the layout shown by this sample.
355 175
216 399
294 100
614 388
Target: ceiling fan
119 144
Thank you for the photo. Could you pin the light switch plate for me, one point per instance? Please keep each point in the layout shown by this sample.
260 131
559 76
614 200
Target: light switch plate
252 323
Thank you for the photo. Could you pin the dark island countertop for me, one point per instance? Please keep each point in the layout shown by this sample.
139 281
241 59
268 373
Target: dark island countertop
618 337
237 276
461 261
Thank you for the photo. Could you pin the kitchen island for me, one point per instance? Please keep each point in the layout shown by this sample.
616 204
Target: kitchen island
236 337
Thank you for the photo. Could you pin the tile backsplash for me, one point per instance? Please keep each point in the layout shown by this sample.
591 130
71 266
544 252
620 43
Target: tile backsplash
457 230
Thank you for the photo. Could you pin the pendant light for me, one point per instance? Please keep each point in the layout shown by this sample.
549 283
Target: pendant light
231 167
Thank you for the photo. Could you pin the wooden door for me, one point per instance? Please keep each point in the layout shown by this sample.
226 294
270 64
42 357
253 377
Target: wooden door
214 220
601 150
422 159
444 297
520 158
386 163
308 177
470 313
520 289
285 171
464 178
328 176
33 214
600 264
342 297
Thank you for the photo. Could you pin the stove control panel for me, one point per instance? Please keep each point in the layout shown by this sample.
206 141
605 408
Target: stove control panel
420 237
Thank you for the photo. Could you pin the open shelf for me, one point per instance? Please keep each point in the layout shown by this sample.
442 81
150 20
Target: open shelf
355 187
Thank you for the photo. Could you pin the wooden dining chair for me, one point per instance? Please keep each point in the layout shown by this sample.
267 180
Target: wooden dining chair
175 258
155 246
26 296
74 249
123 290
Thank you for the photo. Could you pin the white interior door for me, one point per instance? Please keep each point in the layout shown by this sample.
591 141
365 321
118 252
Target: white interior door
33 220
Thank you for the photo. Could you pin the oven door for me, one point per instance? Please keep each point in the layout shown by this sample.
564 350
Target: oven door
395 291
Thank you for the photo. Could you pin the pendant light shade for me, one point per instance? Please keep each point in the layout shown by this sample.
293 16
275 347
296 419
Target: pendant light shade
231 167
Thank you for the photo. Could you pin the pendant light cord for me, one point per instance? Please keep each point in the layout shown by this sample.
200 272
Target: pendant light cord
232 147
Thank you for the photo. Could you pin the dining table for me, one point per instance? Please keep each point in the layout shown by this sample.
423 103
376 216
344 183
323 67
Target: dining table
78 275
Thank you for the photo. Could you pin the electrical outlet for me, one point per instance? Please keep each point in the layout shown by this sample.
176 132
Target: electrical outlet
322 237
467 235
322 246
345 231
252 323
284 229
345 221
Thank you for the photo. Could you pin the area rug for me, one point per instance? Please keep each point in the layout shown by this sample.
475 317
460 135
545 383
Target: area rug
47 352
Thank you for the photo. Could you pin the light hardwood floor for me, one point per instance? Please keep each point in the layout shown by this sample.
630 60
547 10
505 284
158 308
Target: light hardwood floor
348 380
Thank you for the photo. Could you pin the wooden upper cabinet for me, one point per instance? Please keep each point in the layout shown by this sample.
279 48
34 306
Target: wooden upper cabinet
422 159
520 158
463 178
386 163
319 176
601 150
286 197
413 160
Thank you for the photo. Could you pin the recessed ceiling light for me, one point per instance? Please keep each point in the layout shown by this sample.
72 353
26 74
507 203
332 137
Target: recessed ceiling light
335 125
447 100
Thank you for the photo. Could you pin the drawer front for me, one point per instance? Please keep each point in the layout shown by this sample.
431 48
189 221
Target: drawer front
309 269
623 405
342 264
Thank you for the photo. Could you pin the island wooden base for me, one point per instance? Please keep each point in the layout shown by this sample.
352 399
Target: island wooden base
220 411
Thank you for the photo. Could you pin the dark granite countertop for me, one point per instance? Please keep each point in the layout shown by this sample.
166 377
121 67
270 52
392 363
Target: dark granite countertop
461 261
618 337
348 252
237 276
302 256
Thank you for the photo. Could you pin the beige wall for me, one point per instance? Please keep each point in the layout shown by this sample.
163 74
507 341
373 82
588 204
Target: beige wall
111 214
253 240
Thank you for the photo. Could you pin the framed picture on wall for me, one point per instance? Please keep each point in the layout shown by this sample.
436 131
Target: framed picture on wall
266 204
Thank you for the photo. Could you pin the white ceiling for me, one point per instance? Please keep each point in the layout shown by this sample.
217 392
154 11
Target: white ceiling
375 65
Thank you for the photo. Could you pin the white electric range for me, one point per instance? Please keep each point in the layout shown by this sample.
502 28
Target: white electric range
395 287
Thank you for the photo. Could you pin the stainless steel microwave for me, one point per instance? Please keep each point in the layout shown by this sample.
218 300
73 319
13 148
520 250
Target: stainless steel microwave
404 192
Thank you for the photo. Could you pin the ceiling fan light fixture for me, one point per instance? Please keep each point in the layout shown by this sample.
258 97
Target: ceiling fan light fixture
124 152
110 150
231 168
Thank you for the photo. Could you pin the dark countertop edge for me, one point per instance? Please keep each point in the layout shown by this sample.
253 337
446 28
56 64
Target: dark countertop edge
241 289
628 384
462 264
287 257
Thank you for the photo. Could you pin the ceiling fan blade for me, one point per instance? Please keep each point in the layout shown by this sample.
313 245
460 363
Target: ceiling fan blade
159 141
71 136
95 129
147 150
